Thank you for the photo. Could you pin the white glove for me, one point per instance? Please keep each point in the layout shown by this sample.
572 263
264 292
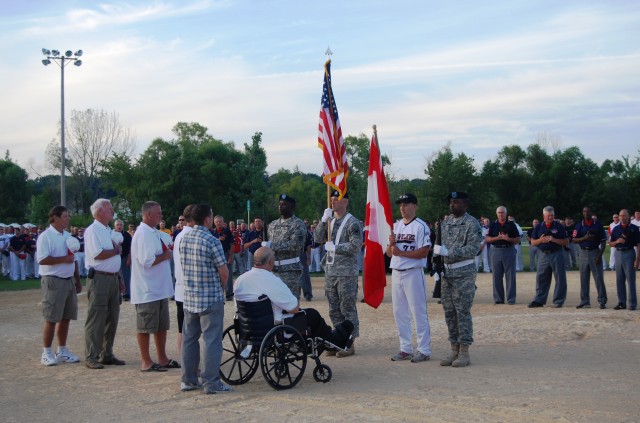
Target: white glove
266 244
328 214
440 250
330 246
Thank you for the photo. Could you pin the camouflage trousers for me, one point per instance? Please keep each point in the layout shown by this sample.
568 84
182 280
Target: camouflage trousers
342 293
292 280
457 299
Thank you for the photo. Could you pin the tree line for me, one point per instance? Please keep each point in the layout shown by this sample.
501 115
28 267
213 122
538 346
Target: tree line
194 166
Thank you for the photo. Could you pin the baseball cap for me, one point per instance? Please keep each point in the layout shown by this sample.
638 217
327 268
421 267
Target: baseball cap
407 198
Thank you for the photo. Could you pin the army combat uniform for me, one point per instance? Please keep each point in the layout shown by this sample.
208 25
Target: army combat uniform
288 238
341 276
462 237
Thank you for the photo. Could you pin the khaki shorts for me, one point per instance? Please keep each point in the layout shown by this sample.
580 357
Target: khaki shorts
59 299
153 317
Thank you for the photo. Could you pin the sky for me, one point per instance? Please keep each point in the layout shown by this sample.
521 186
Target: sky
478 74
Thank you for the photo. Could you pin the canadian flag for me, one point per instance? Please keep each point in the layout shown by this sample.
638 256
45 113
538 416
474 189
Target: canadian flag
378 223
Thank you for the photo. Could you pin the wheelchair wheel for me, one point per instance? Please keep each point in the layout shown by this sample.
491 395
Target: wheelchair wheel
322 373
283 357
234 369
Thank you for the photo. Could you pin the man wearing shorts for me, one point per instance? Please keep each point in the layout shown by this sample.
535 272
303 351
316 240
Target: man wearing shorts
59 292
151 288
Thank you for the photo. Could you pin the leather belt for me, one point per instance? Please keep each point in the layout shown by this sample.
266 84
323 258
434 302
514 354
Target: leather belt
286 261
100 272
624 249
588 248
459 264
501 246
549 251
404 270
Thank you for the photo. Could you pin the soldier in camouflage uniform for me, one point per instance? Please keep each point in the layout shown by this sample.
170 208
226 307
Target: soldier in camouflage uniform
341 263
287 238
461 240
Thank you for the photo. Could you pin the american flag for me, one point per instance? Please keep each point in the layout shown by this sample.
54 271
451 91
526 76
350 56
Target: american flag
336 168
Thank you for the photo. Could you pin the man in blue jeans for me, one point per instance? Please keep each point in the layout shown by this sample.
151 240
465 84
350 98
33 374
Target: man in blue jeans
205 273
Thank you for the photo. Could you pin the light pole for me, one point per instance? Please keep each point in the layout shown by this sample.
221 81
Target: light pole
62 61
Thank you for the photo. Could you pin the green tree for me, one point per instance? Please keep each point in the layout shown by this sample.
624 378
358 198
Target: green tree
447 172
16 192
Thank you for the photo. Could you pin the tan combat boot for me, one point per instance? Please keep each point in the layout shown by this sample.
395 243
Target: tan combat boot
463 359
453 355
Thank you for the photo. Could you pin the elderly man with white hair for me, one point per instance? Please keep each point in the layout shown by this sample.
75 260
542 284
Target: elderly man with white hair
102 256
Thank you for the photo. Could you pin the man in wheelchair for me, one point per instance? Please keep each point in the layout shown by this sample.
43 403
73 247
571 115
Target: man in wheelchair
259 282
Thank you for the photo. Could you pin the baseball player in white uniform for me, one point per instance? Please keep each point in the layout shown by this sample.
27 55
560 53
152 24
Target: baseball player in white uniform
408 248
612 257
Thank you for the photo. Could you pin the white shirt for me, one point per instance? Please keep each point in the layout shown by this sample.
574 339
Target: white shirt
410 237
257 282
148 283
97 238
52 243
177 266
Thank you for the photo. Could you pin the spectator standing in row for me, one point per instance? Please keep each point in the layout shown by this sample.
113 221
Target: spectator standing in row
125 259
550 238
103 288
612 255
80 254
151 288
222 233
205 270
625 238
253 240
589 234
60 287
503 236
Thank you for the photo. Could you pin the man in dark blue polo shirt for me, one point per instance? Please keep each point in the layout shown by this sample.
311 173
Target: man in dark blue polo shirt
550 236
589 234
624 238
503 235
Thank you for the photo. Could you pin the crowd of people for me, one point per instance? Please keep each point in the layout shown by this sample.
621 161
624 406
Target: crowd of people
194 263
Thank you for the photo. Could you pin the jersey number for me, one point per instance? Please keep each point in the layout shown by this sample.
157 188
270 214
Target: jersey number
408 248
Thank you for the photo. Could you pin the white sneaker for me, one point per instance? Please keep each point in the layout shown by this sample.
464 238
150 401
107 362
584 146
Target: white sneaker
66 356
49 359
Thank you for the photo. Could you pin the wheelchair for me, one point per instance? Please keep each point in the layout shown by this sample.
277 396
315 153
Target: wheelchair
281 351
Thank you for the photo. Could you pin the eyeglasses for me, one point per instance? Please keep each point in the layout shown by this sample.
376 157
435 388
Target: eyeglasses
180 220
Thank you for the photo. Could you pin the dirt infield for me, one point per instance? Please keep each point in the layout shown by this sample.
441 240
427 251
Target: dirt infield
527 365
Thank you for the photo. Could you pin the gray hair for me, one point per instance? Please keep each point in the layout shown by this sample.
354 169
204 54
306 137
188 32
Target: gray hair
502 208
549 210
98 205
147 206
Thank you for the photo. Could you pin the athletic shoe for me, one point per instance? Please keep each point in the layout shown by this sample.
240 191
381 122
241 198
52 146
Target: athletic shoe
220 388
418 357
49 358
584 306
66 356
186 387
401 356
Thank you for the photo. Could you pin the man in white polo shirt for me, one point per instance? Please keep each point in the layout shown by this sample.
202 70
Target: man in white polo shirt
151 288
59 293
102 258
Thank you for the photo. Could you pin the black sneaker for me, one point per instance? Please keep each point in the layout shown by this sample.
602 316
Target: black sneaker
535 304
584 306
603 306
620 307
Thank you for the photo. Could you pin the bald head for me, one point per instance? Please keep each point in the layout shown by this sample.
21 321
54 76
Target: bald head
263 258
